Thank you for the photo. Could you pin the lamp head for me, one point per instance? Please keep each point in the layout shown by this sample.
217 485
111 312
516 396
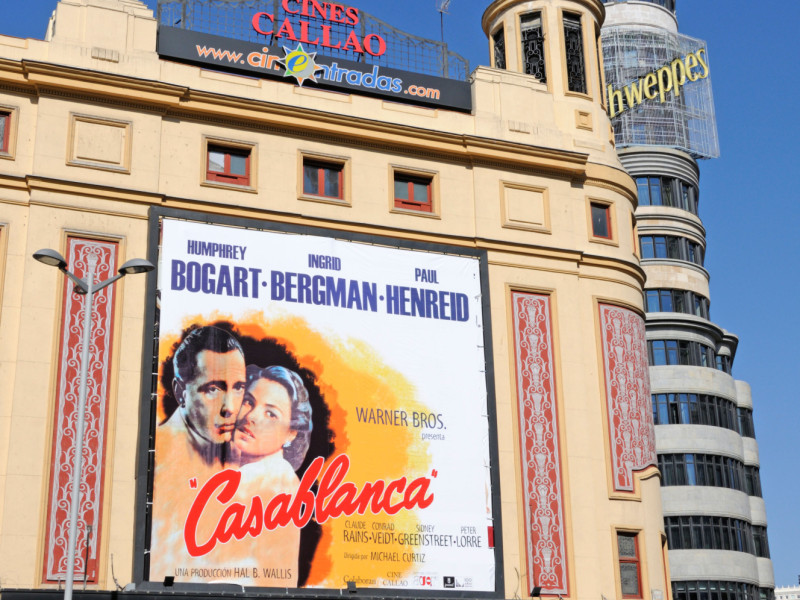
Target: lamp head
51 258
136 265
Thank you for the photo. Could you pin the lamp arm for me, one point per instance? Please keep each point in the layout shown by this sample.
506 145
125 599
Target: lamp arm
79 283
107 282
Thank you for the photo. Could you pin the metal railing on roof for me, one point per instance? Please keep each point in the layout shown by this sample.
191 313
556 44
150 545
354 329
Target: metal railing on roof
233 19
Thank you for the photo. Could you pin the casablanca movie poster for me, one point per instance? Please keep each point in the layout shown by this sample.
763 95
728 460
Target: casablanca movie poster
321 414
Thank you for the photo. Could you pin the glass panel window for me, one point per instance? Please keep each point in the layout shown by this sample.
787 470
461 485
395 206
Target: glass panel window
666 191
413 192
648 249
643 190
660 243
652 301
655 191
666 301
659 353
629 575
5 127
601 221
323 179
228 165
672 352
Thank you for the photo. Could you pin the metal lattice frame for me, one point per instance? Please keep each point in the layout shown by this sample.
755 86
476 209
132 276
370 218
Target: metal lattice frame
686 122
233 19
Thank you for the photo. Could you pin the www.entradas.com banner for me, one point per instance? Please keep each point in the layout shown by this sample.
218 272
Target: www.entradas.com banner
322 414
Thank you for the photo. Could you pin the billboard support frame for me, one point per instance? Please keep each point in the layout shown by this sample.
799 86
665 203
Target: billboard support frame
146 443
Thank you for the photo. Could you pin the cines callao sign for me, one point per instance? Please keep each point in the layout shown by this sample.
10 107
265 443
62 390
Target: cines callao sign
264 24
294 46
670 77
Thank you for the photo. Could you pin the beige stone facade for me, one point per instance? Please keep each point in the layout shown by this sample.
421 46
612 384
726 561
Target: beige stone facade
102 130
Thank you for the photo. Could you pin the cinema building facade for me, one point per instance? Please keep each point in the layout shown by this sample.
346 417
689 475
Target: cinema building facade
395 340
714 513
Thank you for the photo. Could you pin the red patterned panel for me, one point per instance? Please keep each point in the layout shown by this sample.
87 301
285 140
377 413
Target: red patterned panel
70 346
545 543
630 417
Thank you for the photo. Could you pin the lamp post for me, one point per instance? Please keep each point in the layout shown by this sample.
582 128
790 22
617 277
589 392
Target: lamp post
88 288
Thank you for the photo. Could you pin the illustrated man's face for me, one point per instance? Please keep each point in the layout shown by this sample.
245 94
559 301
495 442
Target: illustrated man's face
213 399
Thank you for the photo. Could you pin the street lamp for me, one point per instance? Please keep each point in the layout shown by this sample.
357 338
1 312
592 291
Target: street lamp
85 287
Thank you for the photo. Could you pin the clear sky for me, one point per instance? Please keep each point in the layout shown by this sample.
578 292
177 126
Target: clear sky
749 204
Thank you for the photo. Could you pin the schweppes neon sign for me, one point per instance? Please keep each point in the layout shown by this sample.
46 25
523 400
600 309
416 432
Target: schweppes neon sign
264 23
671 77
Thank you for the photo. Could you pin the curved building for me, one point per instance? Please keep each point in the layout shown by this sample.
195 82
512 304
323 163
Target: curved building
394 345
659 95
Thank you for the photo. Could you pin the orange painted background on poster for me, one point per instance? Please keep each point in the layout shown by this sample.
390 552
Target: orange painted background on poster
350 374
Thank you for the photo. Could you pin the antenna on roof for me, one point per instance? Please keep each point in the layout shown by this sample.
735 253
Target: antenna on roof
442 6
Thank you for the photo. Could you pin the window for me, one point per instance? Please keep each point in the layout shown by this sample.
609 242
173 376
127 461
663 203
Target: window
752 481
667 191
715 590
228 164
601 220
682 301
761 545
499 42
573 45
671 247
695 532
629 572
694 409
709 470
687 353
413 192
325 179
5 130
533 45
745 418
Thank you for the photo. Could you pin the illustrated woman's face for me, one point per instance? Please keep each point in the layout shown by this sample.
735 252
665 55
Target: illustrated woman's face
262 427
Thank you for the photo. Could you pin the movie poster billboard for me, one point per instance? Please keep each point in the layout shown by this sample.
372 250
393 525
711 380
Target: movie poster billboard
321 414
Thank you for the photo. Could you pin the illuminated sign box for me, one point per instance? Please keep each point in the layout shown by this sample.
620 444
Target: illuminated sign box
297 63
322 414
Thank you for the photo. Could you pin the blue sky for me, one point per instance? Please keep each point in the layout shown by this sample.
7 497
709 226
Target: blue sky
749 204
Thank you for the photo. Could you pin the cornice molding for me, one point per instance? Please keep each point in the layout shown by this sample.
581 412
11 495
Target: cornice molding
595 8
577 259
179 101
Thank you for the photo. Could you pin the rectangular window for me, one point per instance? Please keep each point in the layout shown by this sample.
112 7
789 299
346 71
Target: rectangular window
660 246
655 191
652 301
672 352
666 301
643 191
646 244
666 191
573 45
629 571
674 247
601 220
413 192
5 130
678 300
228 165
533 45
323 179
659 354
499 42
